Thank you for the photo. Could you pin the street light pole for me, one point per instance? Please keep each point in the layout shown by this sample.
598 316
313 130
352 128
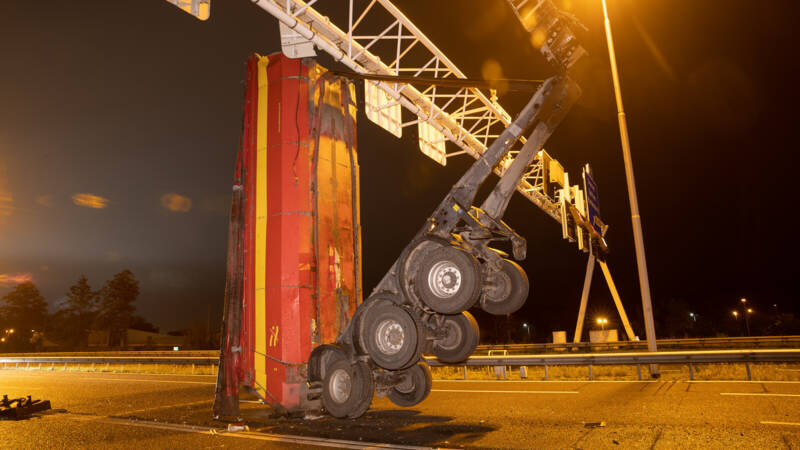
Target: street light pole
747 319
641 262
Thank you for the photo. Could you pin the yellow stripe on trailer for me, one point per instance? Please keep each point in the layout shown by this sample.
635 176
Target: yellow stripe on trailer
261 229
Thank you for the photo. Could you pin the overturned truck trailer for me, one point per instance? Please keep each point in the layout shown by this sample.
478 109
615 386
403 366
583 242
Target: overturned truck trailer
296 331
293 275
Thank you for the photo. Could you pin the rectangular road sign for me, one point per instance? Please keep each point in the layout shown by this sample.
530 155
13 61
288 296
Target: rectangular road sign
592 200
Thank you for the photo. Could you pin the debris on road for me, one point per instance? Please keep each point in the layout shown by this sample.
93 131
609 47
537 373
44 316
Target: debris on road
25 407
594 424
234 428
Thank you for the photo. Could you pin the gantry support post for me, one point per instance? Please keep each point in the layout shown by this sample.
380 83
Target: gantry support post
587 285
617 301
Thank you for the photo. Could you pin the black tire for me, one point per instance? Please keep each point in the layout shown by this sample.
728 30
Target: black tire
415 387
461 339
359 321
506 291
347 389
448 280
410 262
391 336
367 390
321 358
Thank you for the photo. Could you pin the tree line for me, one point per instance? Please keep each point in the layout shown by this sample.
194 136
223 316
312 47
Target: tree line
25 320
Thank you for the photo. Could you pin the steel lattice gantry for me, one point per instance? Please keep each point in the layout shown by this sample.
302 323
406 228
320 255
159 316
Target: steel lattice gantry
393 45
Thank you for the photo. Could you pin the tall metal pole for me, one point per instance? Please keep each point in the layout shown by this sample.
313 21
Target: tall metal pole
641 262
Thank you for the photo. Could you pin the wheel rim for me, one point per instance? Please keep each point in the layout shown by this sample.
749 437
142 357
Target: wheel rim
444 279
407 386
499 288
341 385
453 338
390 337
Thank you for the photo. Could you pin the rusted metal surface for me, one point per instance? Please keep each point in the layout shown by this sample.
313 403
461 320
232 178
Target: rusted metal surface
299 232
226 399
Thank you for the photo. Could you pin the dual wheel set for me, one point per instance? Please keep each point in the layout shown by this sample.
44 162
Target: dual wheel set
438 282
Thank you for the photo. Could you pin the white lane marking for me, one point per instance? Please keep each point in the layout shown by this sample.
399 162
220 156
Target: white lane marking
287 438
148 381
740 381
34 373
548 381
758 394
769 422
485 391
178 405
618 381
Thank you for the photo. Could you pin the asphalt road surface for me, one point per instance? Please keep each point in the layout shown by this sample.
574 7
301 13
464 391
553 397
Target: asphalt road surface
102 410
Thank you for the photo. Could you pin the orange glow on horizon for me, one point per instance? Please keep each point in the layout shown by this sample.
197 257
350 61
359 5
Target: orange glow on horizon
10 279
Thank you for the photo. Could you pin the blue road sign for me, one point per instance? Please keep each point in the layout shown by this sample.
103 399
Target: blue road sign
593 201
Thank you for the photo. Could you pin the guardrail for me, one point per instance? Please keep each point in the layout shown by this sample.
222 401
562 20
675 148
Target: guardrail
202 358
697 357
694 343
690 358
580 359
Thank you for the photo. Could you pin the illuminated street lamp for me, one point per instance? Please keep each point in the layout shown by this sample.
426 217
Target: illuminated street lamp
636 220
747 319
602 322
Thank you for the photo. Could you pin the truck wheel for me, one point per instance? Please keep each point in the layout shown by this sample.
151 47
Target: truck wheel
359 320
367 391
347 389
391 336
410 261
505 291
416 386
448 280
461 338
321 358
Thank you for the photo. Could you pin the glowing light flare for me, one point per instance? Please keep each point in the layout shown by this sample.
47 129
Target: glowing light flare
537 38
492 71
10 279
6 203
90 201
529 18
176 202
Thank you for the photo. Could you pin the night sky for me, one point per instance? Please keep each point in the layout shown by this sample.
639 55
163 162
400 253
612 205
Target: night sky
137 106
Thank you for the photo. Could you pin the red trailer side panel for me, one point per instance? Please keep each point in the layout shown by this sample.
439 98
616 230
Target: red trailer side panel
302 233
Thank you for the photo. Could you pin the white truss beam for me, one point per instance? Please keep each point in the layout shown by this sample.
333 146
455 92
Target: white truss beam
469 124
